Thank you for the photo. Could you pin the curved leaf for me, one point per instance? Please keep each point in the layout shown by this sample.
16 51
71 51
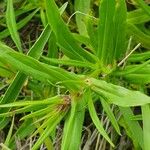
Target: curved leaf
96 120
118 95
11 24
63 35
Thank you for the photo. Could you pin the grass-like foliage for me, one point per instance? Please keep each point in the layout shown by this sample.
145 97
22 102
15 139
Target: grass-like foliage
88 69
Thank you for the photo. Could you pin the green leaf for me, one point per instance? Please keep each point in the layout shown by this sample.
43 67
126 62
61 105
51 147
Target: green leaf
137 16
50 127
144 6
146 126
43 17
7 141
82 6
20 24
36 69
105 27
39 113
138 35
69 124
118 95
83 40
96 120
24 109
20 78
37 49
4 72
35 52
133 68
16 85
77 128
92 33
24 130
123 123
47 119
119 20
48 142
140 76
52 43
110 115
69 62
52 47
11 24
55 100
137 117
64 37
133 125
139 57
63 8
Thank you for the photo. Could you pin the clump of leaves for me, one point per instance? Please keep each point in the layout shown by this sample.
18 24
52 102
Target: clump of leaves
104 68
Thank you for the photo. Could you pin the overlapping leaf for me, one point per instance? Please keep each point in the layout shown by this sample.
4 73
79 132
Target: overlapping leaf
64 38
37 70
118 95
105 27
